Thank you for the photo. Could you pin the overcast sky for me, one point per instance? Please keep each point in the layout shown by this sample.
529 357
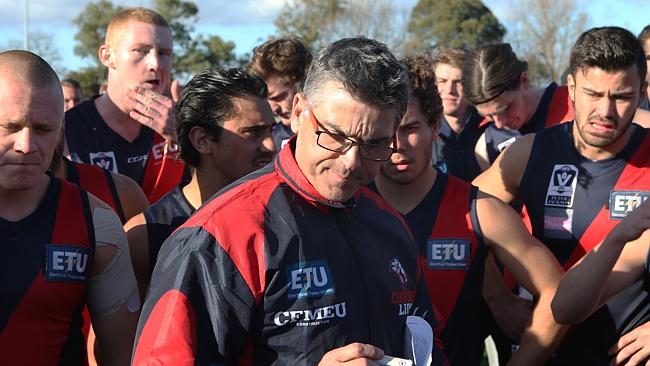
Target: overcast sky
249 22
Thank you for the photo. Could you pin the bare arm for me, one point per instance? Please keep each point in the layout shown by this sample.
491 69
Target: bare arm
481 154
612 266
112 295
502 179
642 118
136 233
132 198
533 266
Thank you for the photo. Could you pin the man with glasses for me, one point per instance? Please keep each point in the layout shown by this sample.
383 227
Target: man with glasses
299 262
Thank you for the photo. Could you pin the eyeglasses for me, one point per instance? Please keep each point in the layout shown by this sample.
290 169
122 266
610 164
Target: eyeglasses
341 143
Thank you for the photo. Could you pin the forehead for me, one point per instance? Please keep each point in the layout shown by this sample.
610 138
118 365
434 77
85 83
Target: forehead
69 90
447 71
498 104
276 85
135 32
250 111
21 102
599 79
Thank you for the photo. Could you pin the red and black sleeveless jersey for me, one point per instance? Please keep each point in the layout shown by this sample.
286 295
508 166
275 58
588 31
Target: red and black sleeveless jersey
554 107
90 140
48 256
573 203
97 181
446 230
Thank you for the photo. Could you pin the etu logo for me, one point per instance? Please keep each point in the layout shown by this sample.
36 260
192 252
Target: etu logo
623 202
67 263
309 279
448 253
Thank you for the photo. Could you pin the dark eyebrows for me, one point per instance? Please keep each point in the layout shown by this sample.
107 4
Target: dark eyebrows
256 127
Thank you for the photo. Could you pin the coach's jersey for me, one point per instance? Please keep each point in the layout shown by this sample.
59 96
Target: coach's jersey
554 107
97 181
147 159
454 154
163 217
47 259
573 203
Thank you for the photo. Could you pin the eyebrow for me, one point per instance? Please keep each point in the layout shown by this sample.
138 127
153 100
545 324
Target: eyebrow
622 93
498 111
256 127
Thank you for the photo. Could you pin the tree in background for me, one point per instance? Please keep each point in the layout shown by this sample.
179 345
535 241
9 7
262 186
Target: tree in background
42 44
542 32
452 23
319 23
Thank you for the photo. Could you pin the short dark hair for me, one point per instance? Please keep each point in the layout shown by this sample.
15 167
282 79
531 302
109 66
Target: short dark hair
491 70
423 86
71 83
367 70
286 58
207 102
609 49
454 57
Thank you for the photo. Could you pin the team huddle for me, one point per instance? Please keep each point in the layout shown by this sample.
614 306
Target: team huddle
301 209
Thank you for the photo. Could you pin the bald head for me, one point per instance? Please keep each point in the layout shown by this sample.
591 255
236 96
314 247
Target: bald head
30 68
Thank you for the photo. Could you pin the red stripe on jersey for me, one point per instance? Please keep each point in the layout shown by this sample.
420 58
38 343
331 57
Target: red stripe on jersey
561 107
244 242
38 328
163 171
634 177
171 329
93 179
453 221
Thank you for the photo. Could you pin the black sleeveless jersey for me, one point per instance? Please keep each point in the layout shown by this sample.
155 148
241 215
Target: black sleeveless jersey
573 202
163 217
90 140
455 154
497 139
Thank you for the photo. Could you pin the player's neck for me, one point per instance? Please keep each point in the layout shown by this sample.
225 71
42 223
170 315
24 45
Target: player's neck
116 115
600 153
405 197
533 98
18 204
458 120
203 185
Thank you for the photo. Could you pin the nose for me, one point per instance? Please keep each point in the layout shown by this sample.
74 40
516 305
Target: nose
352 157
401 139
275 107
267 143
607 107
24 142
153 60
500 120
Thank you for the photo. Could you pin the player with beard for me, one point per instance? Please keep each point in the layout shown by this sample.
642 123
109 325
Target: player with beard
223 123
579 179
129 129
455 225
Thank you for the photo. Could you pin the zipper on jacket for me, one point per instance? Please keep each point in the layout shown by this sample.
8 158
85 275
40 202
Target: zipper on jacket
341 216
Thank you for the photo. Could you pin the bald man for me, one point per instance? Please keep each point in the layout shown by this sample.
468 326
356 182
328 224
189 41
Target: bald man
129 129
62 247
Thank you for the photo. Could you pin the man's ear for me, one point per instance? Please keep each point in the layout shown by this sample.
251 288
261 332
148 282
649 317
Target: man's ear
107 56
202 142
299 105
571 84
525 81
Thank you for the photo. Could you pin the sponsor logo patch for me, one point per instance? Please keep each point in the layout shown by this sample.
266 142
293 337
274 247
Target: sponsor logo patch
66 263
562 186
311 317
309 279
558 223
403 300
105 160
136 159
502 146
623 202
448 253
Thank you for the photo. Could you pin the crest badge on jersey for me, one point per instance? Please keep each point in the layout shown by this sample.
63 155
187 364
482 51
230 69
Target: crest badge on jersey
67 263
562 186
395 266
105 160
623 202
310 279
448 254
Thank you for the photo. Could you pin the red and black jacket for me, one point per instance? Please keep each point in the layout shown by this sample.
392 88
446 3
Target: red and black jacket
271 273
48 256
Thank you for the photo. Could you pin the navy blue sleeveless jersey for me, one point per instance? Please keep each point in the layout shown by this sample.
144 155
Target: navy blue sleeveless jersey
163 217
446 230
90 140
47 260
573 203
455 154
498 139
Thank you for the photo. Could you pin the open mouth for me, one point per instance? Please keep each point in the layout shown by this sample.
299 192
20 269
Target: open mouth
153 83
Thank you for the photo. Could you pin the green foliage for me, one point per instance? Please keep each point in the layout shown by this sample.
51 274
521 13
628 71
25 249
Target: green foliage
91 23
452 23
310 20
